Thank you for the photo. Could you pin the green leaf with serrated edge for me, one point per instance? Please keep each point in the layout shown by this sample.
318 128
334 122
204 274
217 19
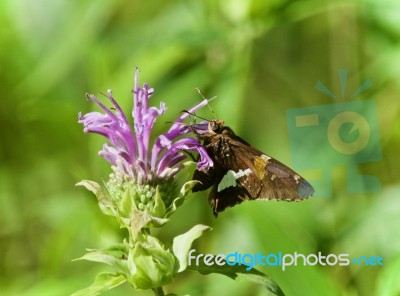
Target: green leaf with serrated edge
104 281
182 243
241 274
105 205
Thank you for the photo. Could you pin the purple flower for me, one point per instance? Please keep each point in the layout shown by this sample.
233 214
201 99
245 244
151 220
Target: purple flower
128 150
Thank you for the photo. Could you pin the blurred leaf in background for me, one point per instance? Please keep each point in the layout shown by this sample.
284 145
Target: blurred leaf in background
261 58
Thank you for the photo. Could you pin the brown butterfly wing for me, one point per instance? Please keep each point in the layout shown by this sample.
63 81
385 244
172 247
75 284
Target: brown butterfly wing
275 180
262 176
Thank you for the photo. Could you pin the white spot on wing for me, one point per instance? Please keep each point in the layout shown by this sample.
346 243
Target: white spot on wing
229 180
242 173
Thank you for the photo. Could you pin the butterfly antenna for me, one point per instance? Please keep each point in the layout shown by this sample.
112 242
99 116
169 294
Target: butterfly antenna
192 125
208 100
194 115
173 122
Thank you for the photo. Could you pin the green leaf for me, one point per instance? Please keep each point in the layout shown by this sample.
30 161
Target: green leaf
115 256
182 243
184 193
126 204
159 206
158 222
103 282
104 203
240 273
139 220
187 187
151 265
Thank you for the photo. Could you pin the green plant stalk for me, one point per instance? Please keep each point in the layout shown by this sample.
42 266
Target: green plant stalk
159 291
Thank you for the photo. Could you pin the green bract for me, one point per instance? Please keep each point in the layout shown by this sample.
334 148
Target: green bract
151 265
138 206
143 260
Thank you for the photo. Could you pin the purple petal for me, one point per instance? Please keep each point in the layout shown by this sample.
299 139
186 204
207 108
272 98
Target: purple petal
109 153
168 161
172 133
189 144
113 126
144 117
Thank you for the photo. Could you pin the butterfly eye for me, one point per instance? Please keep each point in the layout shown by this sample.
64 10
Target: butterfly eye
216 127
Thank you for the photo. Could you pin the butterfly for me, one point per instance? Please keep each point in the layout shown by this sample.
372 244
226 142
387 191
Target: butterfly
241 172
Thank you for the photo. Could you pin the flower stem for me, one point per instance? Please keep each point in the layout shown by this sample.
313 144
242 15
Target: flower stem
159 291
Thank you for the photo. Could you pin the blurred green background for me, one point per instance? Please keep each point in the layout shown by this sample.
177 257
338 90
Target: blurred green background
261 58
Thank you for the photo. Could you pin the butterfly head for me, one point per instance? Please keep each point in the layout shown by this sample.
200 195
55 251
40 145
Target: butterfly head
215 126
